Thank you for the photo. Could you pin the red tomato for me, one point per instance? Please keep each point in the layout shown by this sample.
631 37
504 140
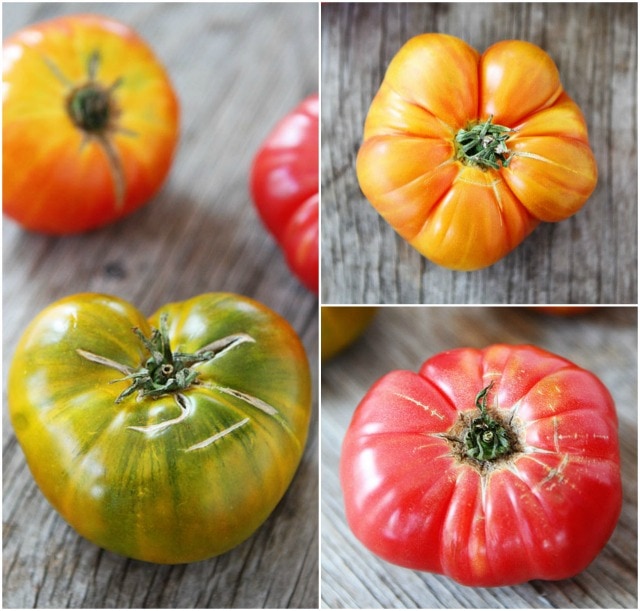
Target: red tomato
284 186
493 466
89 125
464 154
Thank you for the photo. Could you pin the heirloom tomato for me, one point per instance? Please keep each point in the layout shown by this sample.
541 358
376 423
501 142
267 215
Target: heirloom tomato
284 187
493 467
341 326
564 310
464 154
169 440
89 124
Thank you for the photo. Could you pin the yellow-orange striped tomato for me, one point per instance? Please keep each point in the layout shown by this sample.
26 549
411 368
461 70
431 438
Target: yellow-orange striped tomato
464 154
89 124
171 439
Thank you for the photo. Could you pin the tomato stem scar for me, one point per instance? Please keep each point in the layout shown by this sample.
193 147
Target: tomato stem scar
484 145
165 371
484 439
90 105
92 109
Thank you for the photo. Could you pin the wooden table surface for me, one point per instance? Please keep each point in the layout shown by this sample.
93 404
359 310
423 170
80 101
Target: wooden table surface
237 68
604 342
590 258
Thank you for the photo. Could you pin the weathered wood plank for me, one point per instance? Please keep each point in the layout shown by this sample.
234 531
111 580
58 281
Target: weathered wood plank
604 342
237 69
590 258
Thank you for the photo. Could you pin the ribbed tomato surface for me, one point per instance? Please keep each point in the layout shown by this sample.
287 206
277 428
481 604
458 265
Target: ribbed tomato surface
420 492
464 154
177 468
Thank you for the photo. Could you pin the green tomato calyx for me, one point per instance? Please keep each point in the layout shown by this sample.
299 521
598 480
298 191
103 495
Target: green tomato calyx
484 145
165 371
91 106
486 438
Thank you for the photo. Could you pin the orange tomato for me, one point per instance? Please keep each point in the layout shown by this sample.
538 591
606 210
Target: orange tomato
89 126
464 154
564 310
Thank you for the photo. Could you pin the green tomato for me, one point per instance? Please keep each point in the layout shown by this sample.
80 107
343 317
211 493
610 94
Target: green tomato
169 440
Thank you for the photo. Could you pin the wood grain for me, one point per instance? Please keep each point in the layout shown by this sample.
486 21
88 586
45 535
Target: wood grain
590 258
237 68
604 341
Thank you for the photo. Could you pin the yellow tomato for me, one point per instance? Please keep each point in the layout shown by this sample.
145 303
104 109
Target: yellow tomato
341 326
464 154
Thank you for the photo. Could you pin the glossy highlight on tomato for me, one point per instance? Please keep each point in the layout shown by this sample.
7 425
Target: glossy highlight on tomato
492 467
465 154
284 187
89 125
168 440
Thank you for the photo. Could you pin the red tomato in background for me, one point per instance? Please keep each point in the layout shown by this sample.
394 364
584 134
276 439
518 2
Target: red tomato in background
284 187
89 124
529 490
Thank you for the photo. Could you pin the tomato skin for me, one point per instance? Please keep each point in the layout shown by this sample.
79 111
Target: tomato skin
284 187
341 326
543 513
57 177
564 310
151 493
458 215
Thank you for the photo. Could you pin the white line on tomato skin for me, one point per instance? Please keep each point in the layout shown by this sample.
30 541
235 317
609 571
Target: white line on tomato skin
220 346
186 407
426 408
217 436
250 399
102 360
